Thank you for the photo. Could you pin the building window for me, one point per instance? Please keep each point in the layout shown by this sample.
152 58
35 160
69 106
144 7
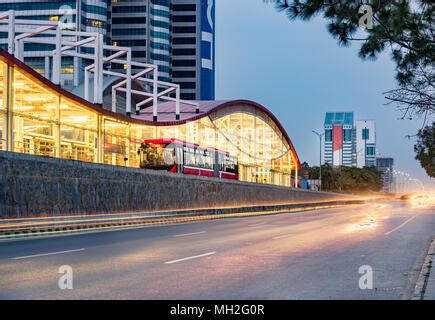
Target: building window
159 57
184 19
365 134
186 29
129 32
184 74
138 54
184 7
370 151
160 35
188 96
129 20
131 9
78 132
187 85
347 135
95 23
160 24
160 13
184 52
328 135
116 141
184 40
35 117
183 63
94 9
159 46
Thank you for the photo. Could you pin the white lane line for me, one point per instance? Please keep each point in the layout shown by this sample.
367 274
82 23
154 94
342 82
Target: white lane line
192 257
281 236
48 254
257 224
402 225
187 234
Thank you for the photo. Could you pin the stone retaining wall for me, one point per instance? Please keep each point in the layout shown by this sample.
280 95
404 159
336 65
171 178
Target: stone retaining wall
34 185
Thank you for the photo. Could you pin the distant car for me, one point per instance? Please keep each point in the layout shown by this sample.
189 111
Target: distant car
405 197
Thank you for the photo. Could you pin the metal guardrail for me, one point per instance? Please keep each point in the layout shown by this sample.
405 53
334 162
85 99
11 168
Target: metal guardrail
29 227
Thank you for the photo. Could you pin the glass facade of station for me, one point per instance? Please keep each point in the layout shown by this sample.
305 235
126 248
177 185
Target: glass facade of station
34 119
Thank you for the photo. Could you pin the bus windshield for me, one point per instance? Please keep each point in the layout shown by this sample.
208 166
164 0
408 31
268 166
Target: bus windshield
156 156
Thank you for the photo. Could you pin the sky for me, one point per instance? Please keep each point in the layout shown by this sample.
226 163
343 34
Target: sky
298 71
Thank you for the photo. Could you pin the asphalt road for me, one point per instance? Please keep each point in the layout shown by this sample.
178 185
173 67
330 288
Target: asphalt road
306 255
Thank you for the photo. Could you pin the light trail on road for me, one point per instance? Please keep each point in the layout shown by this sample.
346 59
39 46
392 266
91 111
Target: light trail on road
314 257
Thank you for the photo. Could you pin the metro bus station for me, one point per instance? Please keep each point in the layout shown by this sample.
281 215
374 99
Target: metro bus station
236 139
37 117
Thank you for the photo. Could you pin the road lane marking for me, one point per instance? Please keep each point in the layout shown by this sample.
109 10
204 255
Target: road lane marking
281 236
402 225
190 258
47 254
188 234
257 224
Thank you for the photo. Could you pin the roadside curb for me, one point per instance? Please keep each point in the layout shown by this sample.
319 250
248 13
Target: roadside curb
38 227
421 285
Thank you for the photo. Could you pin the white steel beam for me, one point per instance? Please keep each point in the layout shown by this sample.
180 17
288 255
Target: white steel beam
55 78
11 31
100 63
67 43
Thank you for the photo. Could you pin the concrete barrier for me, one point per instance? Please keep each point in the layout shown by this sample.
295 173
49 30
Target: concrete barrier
32 186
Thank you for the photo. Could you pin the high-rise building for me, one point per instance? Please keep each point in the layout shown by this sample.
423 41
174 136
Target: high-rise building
193 48
176 35
365 143
339 146
83 15
144 26
385 166
349 144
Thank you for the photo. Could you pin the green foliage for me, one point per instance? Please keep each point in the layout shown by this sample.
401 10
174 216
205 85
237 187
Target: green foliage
348 179
425 149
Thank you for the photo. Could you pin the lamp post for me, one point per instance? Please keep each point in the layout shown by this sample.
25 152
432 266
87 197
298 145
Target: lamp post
320 135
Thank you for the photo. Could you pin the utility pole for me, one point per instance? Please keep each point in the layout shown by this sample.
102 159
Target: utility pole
320 135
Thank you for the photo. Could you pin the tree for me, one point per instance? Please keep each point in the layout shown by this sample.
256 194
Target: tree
404 27
425 149
348 179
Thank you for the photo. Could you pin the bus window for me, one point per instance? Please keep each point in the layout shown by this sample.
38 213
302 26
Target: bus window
189 157
156 156
221 163
209 159
199 159
169 156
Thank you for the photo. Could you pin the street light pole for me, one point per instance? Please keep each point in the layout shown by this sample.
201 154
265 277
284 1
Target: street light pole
320 135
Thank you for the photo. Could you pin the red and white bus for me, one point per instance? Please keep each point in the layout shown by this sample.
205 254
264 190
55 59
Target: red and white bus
179 156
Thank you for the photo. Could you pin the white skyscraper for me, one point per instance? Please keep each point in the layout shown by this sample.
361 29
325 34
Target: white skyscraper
365 143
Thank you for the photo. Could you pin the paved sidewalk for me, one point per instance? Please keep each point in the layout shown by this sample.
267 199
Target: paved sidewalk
430 287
